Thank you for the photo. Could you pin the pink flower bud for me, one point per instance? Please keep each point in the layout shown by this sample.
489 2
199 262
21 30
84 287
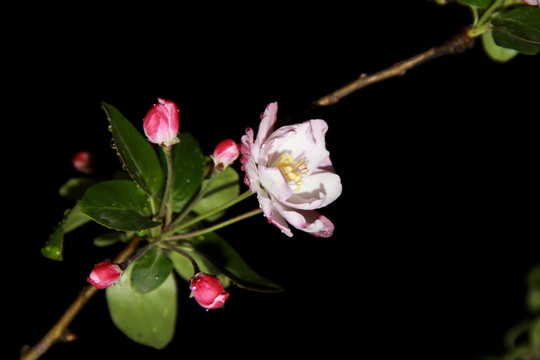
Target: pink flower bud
225 153
83 161
105 274
162 122
208 290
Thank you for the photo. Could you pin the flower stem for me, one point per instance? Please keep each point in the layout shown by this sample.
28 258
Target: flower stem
217 226
194 202
483 23
139 253
165 202
209 213
185 254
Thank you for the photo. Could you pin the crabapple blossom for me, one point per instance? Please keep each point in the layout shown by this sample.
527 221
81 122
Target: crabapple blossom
291 172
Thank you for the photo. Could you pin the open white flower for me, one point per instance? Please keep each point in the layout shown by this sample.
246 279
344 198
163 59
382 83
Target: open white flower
291 171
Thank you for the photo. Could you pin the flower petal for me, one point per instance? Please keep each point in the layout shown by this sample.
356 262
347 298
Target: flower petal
270 211
249 165
309 221
317 191
274 183
268 119
300 140
321 226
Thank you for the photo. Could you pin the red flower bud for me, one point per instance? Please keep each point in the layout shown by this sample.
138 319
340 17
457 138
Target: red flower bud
208 290
162 122
225 153
83 161
105 274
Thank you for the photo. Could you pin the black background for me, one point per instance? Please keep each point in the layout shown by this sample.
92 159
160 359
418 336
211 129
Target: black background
434 228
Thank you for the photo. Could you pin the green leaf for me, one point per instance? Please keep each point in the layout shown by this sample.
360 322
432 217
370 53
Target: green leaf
534 333
494 51
54 245
73 219
224 187
146 318
519 29
533 277
533 293
75 188
227 260
136 153
515 333
482 4
111 238
118 204
150 270
188 165
533 300
517 353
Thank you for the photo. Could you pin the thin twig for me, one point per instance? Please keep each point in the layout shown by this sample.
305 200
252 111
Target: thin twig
59 330
456 45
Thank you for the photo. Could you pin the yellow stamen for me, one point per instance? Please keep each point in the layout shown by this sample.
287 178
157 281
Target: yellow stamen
292 171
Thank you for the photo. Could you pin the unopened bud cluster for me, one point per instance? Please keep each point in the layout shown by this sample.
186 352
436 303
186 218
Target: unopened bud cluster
161 126
207 289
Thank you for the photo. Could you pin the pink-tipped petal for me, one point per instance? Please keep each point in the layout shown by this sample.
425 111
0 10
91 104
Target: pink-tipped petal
268 120
291 171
